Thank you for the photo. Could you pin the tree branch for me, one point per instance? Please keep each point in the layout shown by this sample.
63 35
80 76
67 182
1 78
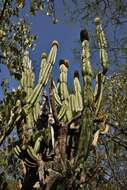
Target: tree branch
3 10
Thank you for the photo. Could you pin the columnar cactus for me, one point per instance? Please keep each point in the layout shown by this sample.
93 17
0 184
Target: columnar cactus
67 128
45 74
32 94
104 62
87 113
91 101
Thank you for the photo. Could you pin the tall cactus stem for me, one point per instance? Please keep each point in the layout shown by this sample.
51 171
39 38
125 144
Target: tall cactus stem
56 95
45 75
86 121
63 79
43 64
86 70
98 103
102 43
77 90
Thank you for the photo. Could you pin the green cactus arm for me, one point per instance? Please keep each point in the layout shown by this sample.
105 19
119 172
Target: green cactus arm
30 79
72 102
102 43
25 61
42 67
99 98
43 64
56 94
98 87
77 90
87 114
65 112
85 135
86 66
36 108
86 70
100 78
104 62
37 144
69 113
62 111
77 86
72 109
27 83
27 80
63 79
45 75
64 94
30 86
58 86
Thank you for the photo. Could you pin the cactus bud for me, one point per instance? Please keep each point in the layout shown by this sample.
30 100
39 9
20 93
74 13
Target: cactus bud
97 20
65 62
84 35
44 55
55 43
76 74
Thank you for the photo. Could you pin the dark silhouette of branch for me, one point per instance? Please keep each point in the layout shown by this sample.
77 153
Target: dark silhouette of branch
110 163
3 10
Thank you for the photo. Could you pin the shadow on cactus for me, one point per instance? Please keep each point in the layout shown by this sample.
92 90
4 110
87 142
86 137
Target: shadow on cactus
56 129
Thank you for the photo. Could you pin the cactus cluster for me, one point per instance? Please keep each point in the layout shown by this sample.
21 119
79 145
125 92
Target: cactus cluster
60 126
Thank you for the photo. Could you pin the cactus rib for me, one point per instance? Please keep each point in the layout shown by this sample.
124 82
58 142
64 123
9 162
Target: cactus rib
32 153
62 111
